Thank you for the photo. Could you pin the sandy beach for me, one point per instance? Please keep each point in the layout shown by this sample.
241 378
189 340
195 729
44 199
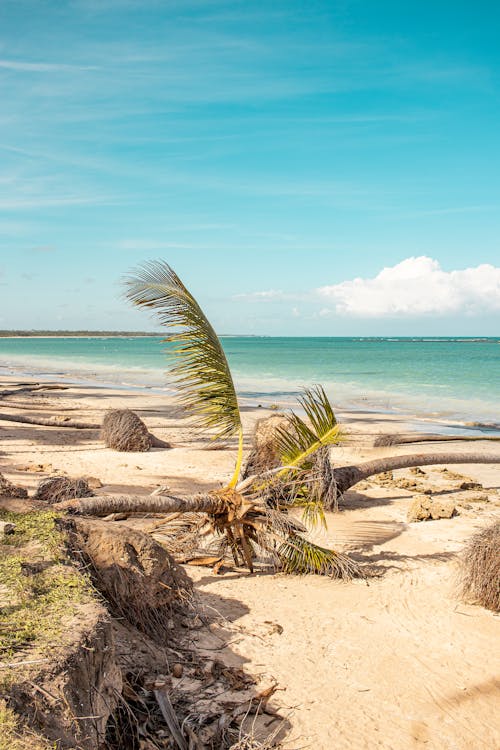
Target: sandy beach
394 661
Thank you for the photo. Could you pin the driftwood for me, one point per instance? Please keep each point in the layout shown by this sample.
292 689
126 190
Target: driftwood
387 440
29 387
54 422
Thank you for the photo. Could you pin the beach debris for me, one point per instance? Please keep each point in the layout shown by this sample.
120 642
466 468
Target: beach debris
163 489
478 499
177 670
389 439
57 421
93 482
424 508
115 517
56 489
7 528
471 485
124 431
35 468
7 489
480 568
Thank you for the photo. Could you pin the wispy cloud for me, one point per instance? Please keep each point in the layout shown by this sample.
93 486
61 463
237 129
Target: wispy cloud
40 201
24 66
417 286
267 294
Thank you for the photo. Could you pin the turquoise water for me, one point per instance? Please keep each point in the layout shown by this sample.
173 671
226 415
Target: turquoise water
444 378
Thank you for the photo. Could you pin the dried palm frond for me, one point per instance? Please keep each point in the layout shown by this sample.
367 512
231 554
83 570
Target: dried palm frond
202 373
180 534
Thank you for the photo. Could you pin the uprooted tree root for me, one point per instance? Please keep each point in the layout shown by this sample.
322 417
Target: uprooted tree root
124 431
480 568
57 489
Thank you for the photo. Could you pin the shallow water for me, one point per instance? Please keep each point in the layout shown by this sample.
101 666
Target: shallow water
454 379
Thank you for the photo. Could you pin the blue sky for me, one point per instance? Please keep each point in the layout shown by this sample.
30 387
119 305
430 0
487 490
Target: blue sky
279 155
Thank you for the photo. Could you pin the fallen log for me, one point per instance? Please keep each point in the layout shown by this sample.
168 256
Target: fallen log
68 423
28 388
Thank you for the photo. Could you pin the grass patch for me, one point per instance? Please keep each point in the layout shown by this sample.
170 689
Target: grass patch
39 591
15 736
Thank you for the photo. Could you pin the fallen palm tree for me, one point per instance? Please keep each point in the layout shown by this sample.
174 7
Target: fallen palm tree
50 422
259 511
480 568
395 439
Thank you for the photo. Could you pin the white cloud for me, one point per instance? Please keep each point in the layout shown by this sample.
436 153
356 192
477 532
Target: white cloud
416 286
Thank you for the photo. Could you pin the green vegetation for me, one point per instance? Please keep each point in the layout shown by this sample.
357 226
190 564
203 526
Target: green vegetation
93 334
15 736
40 590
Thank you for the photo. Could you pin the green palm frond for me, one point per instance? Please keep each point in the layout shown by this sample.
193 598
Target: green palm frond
301 439
313 512
299 555
202 373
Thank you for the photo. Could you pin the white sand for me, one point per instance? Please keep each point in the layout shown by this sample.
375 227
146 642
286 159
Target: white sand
394 662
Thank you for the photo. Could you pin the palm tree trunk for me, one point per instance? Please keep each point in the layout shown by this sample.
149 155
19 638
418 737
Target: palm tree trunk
104 505
48 422
347 476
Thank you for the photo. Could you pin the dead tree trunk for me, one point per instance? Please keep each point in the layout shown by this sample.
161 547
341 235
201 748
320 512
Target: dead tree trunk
49 422
104 505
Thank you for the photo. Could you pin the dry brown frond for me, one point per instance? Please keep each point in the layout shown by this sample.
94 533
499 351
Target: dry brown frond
480 568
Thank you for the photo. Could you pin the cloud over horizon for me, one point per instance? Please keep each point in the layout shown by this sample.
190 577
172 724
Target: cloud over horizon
416 286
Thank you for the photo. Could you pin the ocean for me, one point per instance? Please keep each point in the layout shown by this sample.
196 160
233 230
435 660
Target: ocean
451 380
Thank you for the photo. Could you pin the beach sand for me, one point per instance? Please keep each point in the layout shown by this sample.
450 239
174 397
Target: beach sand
395 661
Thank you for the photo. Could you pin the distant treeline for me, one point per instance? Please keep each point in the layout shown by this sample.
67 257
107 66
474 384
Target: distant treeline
5 334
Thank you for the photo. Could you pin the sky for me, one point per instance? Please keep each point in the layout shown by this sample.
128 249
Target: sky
307 168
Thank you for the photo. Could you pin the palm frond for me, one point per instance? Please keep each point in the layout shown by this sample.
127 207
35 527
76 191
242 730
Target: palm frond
299 555
202 373
313 512
297 443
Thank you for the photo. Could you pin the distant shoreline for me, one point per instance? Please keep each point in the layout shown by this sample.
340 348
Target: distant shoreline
75 334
